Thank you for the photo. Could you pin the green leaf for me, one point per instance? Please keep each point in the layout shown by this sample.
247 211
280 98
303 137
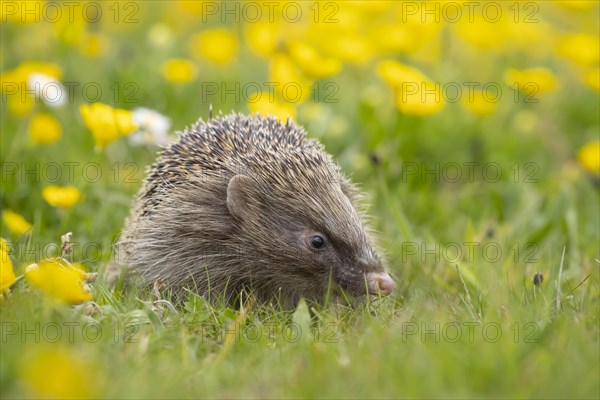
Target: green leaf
301 320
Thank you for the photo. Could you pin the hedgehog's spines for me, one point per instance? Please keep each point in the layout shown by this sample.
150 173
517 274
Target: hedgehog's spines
180 227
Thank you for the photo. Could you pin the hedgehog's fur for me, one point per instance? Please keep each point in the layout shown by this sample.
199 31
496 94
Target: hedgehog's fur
231 206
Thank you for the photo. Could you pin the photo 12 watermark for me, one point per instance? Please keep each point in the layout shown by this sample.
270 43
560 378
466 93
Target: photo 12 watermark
469 172
425 332
469 252
453 12
468 332
92 12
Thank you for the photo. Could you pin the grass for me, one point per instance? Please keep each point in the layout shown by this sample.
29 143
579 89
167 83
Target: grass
466 320
486 332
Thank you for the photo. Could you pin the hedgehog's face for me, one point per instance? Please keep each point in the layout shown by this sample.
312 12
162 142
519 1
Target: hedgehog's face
353 267
313 244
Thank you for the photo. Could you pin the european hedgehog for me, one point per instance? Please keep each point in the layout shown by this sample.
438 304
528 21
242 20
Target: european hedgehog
248 203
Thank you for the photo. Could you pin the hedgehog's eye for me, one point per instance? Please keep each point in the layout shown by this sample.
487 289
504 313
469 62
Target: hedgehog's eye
317 242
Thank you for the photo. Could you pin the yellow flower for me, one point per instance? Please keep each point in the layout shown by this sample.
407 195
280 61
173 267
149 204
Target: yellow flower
373 6
17 13
394 37
577 4
262 104
483 33
7 273
589 157
179 70
262 38
15 222
44 129
349 47
582 49
592 79
291 86
21 103
395 73
217 45
94 45
186 7
58 280
478 103
532 81
56 372
415 93
107 123
61 196
25 69
311 63
407 34
536 39
421 99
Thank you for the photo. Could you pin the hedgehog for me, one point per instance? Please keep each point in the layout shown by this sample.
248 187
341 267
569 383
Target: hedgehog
250 204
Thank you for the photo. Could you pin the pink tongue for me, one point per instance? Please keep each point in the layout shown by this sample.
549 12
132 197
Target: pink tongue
380 283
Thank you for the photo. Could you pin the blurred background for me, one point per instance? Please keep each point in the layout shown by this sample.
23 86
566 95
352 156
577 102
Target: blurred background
461 120
89 89
428 96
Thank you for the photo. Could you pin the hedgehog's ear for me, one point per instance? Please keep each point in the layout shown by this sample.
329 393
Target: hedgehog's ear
238 192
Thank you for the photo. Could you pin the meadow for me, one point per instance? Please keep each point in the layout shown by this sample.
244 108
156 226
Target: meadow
473 128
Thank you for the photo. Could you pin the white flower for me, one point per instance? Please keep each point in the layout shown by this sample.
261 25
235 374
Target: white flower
160 36
153 127
48 89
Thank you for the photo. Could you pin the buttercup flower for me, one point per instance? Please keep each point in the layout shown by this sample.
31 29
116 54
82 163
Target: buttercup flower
421 99
478 103
262 38
194 8
406 34
483 32
533 81
7 273
59 280
395 73
217 45
589 157
15 222
94 45
44 129
415 93
580 48
262 104
107 123
61 196
311 63
577 4
24 70
349 47
292 86
56 372
14 15
179 70
39 77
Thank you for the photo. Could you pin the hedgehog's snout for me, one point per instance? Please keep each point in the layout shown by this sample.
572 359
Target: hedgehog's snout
379 283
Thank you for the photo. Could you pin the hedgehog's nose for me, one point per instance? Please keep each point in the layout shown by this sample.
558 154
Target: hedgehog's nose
380 283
